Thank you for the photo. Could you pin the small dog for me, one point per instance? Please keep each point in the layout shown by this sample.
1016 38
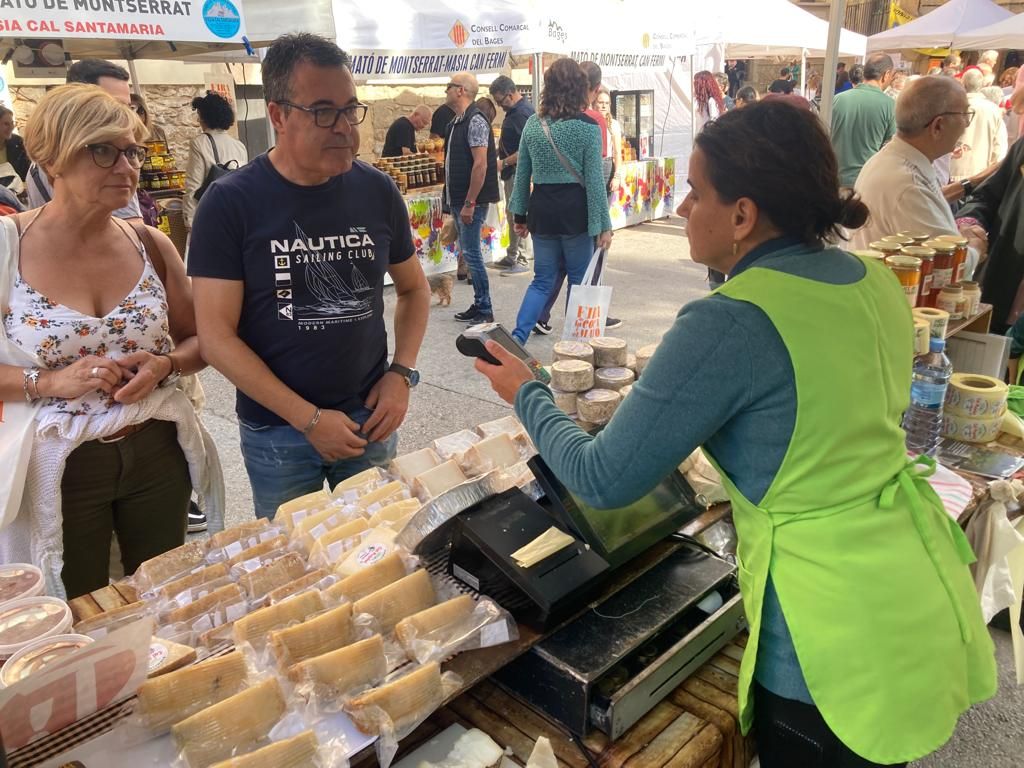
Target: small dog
441 286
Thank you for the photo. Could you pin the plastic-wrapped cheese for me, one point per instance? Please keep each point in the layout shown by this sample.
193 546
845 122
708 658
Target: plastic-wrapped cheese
609 352
613 378
436 481
572 375
495 452
574 350
643 356
416 463
597 405
509 424
377 545
565 400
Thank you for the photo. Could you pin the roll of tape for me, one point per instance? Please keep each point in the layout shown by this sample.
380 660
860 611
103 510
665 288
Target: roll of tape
922 332
972 395
971 430
937 318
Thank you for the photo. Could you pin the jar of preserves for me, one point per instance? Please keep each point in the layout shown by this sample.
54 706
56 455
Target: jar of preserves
901 239
972 298
951 299
945 263
961 255
886 247
917 237
927 257
908 271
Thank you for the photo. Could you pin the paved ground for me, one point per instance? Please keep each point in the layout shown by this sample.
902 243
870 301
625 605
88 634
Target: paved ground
652 277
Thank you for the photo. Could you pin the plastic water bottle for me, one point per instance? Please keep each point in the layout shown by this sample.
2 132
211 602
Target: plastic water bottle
923 419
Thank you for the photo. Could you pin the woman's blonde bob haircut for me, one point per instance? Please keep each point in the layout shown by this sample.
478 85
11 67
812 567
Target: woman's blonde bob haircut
72 116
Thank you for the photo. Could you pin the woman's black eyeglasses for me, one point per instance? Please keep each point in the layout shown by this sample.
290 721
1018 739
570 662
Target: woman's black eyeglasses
327 117
106 155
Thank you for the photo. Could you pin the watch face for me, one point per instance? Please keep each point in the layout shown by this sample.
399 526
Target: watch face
414 377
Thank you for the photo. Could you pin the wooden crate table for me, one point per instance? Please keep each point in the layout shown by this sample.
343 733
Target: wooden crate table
101 600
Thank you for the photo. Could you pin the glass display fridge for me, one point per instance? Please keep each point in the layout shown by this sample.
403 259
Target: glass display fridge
635 112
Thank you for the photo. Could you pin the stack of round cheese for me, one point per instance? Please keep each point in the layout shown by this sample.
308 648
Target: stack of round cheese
613 378
597 405
574 350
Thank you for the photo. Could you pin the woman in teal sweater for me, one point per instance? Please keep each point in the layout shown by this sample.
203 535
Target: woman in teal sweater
568 207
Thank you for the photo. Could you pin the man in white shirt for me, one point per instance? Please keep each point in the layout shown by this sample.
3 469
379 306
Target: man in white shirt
899 184
984 142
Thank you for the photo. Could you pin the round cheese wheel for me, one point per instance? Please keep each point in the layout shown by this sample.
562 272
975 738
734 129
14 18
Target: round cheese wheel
631 362
609 352
643 356
574 350
626 390
586 426
597 405
565 400
572 375
613 378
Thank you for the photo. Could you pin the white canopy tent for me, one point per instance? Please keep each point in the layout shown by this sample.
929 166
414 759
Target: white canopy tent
941 27
1008 33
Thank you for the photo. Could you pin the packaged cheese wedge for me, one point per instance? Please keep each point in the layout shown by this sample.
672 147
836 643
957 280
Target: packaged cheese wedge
384 495
510 425
314 579
412 464
218 599
316 635
211 573
166 656
345 670
254 627
109 620
261 553
273 575
328 549
394 512
374 547
454 445
436 481
432 623
286 513
238 532
390 604
233 724
399 704
365 582
357 485
343 513
178 562
495 452
297 752
170 698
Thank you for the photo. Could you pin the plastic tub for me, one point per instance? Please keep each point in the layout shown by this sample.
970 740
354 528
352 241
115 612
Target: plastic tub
29 619
18 580
41 653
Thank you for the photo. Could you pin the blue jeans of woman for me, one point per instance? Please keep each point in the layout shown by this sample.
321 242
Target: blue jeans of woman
283 465
551 253
469 243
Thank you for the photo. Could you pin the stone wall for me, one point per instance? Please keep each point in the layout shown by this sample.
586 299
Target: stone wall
387 103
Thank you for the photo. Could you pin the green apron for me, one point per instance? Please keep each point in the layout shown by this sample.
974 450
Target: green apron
870 571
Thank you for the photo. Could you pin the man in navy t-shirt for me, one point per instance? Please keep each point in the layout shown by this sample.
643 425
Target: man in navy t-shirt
288 256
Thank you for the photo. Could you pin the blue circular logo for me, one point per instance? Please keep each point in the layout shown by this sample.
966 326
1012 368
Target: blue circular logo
222 18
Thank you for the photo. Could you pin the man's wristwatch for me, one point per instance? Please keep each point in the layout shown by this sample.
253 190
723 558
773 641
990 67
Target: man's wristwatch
411 375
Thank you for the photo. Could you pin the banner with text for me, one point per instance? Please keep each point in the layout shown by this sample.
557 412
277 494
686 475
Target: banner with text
405 65
624 60
214 21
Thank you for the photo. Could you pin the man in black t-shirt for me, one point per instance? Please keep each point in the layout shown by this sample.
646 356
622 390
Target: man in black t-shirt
784 84
288 259
401 136
443 115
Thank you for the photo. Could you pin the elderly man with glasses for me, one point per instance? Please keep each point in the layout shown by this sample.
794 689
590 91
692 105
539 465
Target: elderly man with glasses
899 184
289 256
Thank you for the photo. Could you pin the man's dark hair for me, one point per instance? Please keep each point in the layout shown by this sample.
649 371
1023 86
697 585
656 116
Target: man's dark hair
840 66
89 71
877 65
775 138
502 85
287 52
214 110
857 75
747 94
593 73
784 72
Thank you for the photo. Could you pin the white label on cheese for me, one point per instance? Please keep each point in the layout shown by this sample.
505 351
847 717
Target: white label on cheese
335 550
319 531
203 623
350 495
374 508
232 549
372 554
157 656
494 634
266 535
250 565
298 517
235 612
185 598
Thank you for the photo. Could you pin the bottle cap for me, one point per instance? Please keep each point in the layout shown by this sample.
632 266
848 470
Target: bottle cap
936 345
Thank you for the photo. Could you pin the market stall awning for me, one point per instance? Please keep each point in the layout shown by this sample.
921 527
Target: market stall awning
941 27
750 28
1008 33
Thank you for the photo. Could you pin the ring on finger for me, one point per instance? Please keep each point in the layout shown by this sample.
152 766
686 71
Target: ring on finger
95 372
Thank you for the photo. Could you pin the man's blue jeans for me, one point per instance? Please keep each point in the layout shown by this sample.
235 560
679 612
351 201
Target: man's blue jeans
551 254
469 242
282 464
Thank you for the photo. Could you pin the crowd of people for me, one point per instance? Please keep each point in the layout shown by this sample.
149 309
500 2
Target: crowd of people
284 296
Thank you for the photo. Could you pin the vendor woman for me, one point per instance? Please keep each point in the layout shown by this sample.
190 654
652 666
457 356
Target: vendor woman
866 637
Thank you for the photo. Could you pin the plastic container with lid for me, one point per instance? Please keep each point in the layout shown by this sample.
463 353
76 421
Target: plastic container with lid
927 257
29 619
972 297
34 656
951 299
18 580
908 272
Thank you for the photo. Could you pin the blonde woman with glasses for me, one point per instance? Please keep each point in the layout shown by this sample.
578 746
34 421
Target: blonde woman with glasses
97 327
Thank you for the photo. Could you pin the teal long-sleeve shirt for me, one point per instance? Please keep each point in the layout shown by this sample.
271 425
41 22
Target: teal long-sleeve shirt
722 378
579 140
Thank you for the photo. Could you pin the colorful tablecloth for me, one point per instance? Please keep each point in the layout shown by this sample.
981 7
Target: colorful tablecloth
425 219
645 192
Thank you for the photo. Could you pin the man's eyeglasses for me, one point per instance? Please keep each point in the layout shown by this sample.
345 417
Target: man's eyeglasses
106 155
452 85
969 115
327 117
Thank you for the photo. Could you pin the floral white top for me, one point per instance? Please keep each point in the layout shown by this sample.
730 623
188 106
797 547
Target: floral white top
60 335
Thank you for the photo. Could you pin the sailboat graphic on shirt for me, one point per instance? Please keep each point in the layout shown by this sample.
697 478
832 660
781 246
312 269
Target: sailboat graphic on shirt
335 298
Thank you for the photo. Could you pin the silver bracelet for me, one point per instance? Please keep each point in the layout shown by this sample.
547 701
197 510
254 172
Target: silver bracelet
312 423
30 375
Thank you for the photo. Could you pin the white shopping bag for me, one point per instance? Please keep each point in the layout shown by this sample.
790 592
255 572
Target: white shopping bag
588 306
